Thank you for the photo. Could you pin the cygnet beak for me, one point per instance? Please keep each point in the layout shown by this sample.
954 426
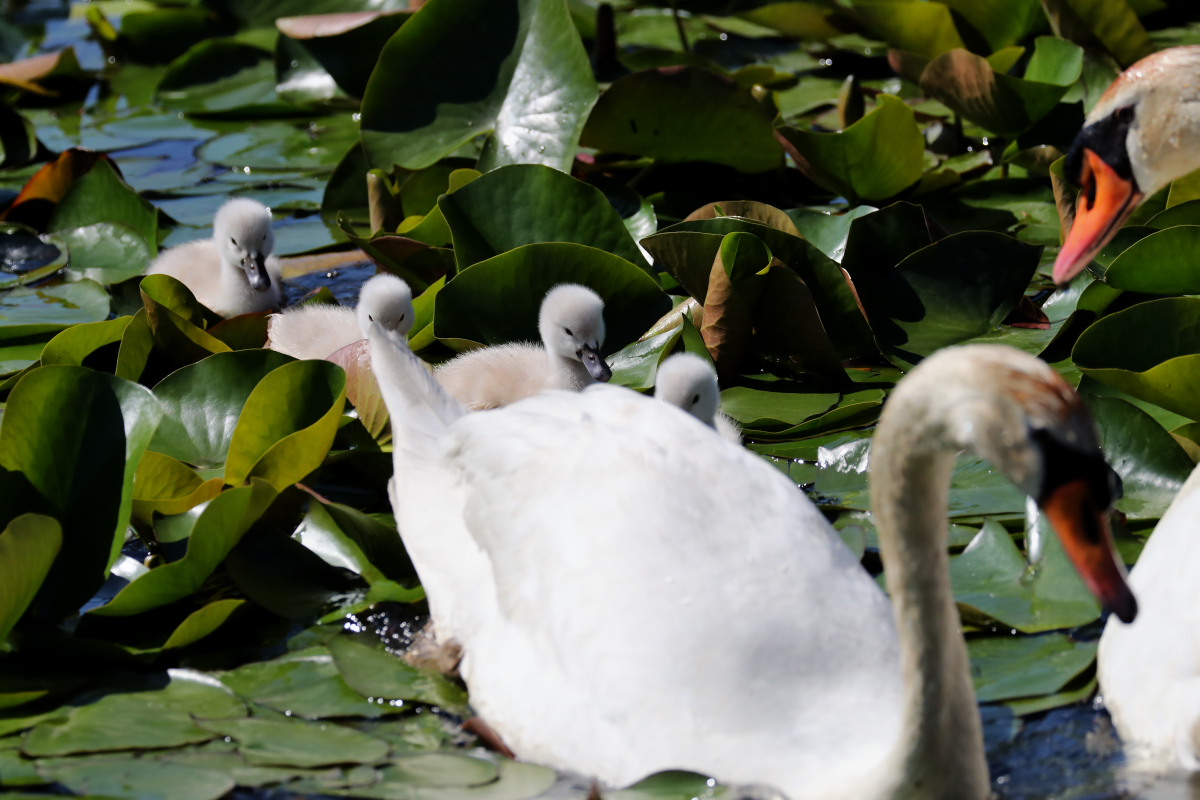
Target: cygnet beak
256 271
595 363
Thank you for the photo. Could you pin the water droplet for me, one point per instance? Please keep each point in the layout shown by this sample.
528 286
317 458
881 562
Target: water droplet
287 712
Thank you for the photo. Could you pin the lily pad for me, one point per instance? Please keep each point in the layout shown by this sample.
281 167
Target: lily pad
77 435
992 580
926 29
875 158
1012 667
498 300
346 45
526 204
222 76
1150 351
106 252
682 114
127 778
528 83
299 744
373 672
1152 465
28 546
141 720
101 195
28 311
1160 263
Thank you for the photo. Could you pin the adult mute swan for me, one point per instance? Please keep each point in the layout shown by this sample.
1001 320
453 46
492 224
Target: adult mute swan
234 272
625 606
316 331
571 324
1149 671
689 382
1142 134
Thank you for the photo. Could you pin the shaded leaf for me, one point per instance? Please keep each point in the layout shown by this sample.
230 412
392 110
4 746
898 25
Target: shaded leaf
1007 668
28 546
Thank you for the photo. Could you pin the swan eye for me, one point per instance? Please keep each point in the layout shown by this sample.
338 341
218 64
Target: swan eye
567 331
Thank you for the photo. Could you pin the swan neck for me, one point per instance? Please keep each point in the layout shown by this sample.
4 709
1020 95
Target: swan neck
940 753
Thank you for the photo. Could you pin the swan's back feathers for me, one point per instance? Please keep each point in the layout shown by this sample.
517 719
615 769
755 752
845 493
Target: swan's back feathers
492 377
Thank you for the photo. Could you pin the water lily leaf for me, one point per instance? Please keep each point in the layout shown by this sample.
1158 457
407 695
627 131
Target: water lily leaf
877 157
1160 263
1112 22
443 769
1149 351
24 254
16 357
27 311
797 19
346 45
1000 103
636 364
32 74
263 13
527 203
77 436
683 114
287 425
305 684
926 29
106 252
28 546
829 232
373 672
347 538
1152 465
498 300
201 623
669 785
362 389
1001 22
758 410
76 343
101 195
299 744
204 402
168 486
948 292
163 716
731 299
528 83
160 35
222 76
687 250
516 781
316 144
18 771
993 581
218 528
128 778
1011 667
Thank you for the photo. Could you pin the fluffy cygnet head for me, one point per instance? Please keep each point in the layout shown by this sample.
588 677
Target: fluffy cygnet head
571 323
689 382
243 236
385 299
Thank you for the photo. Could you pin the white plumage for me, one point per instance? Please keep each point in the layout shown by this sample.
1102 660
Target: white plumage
316 331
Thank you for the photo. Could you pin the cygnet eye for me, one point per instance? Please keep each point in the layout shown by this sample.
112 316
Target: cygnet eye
567 331
370 318
695 399
233 241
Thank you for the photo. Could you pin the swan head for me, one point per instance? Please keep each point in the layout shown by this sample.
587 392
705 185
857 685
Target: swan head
1142 134
243 236
689 382
1014 410
387 300
571 323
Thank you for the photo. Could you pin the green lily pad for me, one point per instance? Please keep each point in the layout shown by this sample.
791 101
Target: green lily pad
1150 351
222 76
498 300
443 769
758 410
669 785
286 427
875 158
201 623
1001 22
127 778
76 343
926 29
101 195
347 52
16 357
969 85
1152 465
77 436
27 311
216 530
28 546
993 581
347 538
106 252
526 204
948 292
299 744
1112 22
305 684
159 35
373 672
204 402
313 144
683 114
1012 667
528 83
168 486
142 720
1161 263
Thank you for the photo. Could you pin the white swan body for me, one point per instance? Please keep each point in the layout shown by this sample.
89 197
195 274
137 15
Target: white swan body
571 324
1149 670
234 272
689 382
1142 134
624 610
316 331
